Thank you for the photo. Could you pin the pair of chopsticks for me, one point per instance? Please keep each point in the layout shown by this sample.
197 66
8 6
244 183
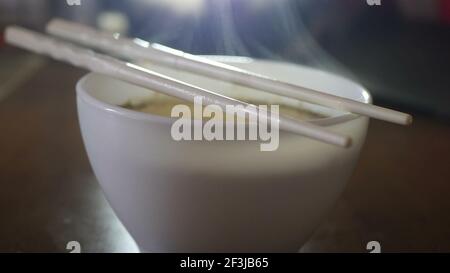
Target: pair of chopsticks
141 50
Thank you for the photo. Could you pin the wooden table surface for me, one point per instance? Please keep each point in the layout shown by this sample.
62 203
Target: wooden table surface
399 194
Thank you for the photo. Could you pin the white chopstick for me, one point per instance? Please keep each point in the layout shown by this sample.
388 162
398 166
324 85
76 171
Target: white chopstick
113 67
142 50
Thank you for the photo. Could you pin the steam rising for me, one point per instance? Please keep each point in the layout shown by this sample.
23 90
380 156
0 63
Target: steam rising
269 29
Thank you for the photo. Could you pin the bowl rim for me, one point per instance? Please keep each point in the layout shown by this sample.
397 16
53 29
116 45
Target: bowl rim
85 96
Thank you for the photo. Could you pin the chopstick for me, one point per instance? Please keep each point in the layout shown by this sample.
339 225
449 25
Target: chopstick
142 50
107 65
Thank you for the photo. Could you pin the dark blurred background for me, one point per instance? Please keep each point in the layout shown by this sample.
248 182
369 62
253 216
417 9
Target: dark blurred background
400 50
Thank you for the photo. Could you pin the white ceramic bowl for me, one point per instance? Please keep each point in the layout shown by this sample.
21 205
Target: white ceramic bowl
222 196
